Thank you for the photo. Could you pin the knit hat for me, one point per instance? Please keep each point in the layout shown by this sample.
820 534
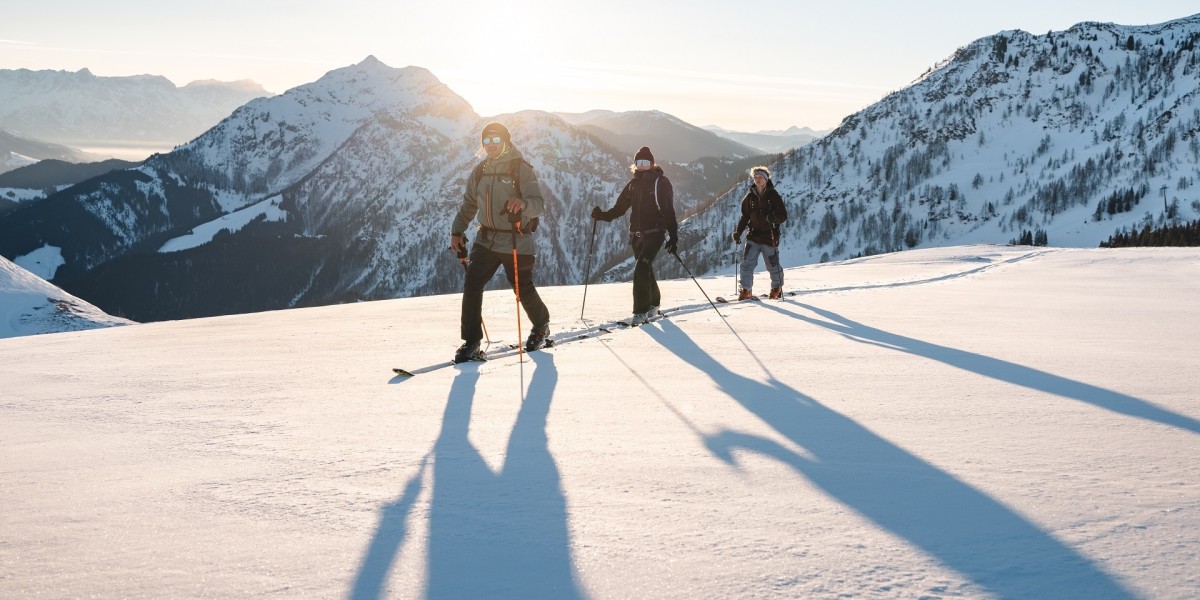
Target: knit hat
644 153
496 129
760 169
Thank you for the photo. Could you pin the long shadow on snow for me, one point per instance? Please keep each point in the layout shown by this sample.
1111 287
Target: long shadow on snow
499 535
997 369
951 521
387 541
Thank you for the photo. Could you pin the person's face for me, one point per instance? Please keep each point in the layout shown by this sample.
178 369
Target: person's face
759 180
493 144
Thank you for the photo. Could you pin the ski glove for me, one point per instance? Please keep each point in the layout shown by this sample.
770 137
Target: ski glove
597 214
737 237
672 245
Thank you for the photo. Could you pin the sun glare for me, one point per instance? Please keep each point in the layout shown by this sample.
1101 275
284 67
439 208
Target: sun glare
501 51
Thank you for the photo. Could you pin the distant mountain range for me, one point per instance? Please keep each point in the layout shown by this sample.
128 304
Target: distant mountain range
671 139
17 151
771 142
338 190
343 189
80 109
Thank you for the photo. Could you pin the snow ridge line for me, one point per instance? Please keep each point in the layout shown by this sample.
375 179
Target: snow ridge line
947 277
607 327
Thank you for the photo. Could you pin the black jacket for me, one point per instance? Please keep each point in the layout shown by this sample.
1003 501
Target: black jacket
648 216
762 214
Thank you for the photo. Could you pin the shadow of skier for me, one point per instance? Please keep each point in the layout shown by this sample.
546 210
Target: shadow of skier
996 369
499 534
964 529
389 537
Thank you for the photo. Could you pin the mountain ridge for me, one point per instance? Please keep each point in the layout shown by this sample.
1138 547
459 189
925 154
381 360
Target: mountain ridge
1010 134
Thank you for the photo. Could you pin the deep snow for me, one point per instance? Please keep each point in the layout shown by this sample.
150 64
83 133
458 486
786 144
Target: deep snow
976 421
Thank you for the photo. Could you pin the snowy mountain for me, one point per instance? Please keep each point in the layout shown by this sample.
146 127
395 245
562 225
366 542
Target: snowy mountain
338 190
904 427
17 151
771 142
29 305
672 140
342 189
81 109
1071 134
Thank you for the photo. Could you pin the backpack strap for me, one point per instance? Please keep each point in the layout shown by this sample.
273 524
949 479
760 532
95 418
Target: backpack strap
514 171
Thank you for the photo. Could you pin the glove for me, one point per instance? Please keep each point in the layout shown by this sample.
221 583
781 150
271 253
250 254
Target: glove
597 213
672 245
458 244
737 237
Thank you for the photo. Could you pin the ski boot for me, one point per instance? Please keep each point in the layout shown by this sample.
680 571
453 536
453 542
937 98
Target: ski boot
469 351
538 338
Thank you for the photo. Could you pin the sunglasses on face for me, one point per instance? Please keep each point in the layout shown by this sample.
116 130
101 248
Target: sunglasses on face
642 163
492 140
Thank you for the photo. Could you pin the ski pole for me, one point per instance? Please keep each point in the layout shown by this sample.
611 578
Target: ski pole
465 261
736 288
517 286
710 302
588 271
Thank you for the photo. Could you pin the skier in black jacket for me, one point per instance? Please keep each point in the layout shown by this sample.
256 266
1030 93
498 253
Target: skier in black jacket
651 199
762 212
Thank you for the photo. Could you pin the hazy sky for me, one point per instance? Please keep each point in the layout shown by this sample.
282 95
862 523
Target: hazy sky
746 66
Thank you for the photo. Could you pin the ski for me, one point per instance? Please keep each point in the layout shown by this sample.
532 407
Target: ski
662 314
507 350
724 300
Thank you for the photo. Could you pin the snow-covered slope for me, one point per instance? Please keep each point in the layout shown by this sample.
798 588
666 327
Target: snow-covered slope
907 426
1074 134
30 305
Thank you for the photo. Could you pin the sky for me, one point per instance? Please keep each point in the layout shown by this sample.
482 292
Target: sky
765 66
961 422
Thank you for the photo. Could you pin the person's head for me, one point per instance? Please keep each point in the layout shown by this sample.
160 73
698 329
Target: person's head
761 175
495 139
643 160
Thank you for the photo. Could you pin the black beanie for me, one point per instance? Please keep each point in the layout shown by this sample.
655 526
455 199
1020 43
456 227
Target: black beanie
496 129
644 153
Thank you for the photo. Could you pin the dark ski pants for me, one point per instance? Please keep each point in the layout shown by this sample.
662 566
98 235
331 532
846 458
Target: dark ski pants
645 286
483 266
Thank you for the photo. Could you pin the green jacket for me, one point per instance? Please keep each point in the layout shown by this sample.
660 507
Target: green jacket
484 202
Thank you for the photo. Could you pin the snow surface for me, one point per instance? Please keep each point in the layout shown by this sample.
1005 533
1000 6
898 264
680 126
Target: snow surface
43 262
231 223
978 421
29 305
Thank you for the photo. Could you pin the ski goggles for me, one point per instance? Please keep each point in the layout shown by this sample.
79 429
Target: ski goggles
642 162
492 140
